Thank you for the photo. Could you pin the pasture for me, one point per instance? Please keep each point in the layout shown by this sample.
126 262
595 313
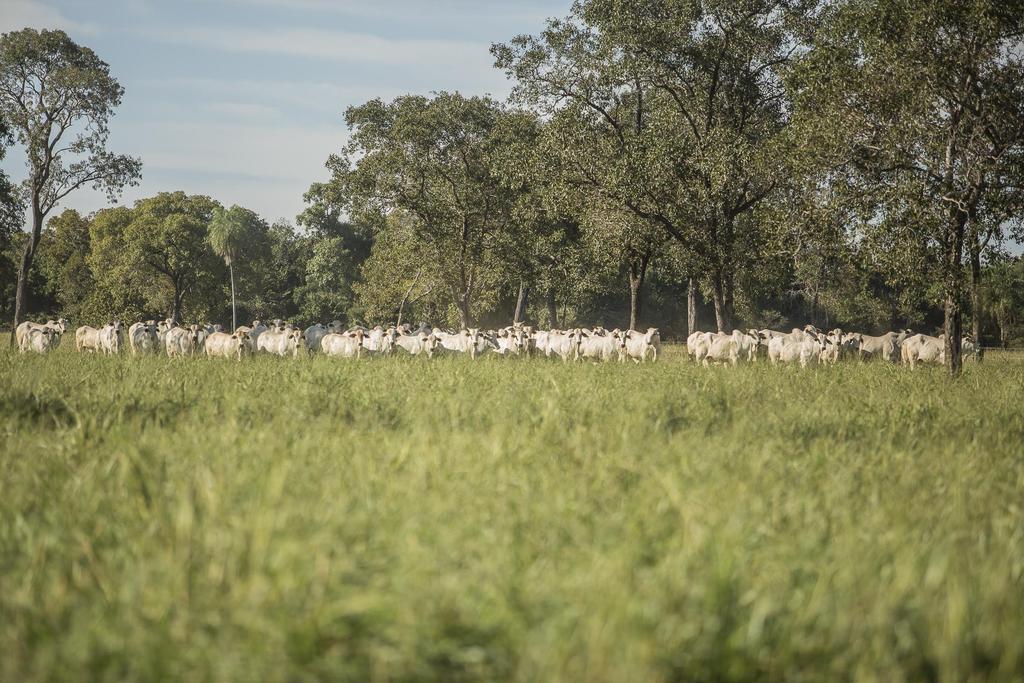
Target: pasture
395 519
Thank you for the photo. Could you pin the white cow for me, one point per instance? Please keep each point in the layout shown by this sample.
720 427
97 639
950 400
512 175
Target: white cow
60 326
142 337
921 348
112 338
418 344
87 339
40 340
884 347
345 345
565 345
831 347
181 341
746 344
602 345
161 332
313 335
510 341
642 345
466 341
285 341
224 345
714 346
806 351
379 341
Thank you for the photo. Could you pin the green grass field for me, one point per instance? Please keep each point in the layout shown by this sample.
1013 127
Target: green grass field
392 519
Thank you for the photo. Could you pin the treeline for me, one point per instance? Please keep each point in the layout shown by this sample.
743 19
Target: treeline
852 163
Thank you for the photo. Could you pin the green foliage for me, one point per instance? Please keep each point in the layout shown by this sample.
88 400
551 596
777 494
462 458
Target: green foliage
51 87
430 159
671 110
232 231
168 236
63 263
208 520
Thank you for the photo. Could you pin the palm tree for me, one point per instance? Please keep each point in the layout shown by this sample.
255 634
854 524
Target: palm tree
228 233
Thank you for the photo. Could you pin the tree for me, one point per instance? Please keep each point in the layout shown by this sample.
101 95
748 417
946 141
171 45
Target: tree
1002 297
58 97
430 158
167 236
924 104
64 262
230 232
672 109
12 212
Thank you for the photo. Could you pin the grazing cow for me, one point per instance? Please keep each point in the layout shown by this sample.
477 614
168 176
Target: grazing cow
40 340
418 344
717 347
465 341
921 348
111 338
142 337
601 345
565 345
345 345
968 346
884 347
205 331
162 328
746 344
806 351
510 341
87 339
272 341
542 341
60 326
642 345
224 345
379 341
313 334
831 347
181 341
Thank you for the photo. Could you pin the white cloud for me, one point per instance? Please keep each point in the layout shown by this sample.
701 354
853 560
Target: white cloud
318 96
19 14
522 11
330 45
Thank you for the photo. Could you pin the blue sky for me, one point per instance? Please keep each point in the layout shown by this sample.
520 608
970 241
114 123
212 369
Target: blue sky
243 99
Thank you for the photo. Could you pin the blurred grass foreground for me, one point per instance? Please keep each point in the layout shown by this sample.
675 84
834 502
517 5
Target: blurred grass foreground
398 520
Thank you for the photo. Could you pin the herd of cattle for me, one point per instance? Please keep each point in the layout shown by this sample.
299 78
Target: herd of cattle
811 346
805 346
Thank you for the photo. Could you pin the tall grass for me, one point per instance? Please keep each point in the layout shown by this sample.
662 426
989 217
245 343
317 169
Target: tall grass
392 519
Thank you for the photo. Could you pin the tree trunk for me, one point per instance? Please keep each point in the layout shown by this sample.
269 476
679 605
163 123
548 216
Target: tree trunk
520 304
954 247
552 309
179 294
723 303
464 313
27 256
691 306
975 250
637 273
234 317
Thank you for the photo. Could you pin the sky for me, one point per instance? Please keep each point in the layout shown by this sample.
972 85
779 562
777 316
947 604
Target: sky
243 100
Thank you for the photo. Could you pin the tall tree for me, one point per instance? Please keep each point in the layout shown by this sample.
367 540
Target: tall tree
63 260
671 108
925 103
429 157
230 233
58 97
167 236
